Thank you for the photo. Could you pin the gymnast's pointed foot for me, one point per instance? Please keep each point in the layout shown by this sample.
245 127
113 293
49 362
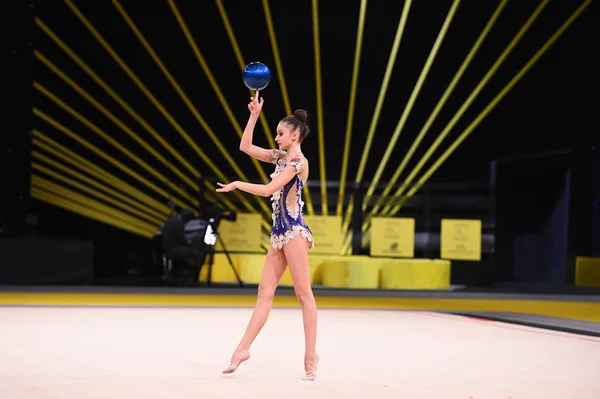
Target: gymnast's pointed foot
239 356
310 366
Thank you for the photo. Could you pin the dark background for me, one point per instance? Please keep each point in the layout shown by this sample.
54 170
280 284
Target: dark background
552 108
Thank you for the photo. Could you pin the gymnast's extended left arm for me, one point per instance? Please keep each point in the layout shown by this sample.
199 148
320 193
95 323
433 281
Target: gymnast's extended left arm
264 190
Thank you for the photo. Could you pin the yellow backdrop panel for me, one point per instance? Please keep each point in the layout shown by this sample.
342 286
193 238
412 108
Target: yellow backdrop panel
461 239
393 237
243 235
327 233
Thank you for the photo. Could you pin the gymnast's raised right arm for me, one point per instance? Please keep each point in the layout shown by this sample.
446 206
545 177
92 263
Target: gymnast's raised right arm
246 145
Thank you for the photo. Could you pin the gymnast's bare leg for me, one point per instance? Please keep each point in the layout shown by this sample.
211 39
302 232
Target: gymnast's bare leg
275 265
296 252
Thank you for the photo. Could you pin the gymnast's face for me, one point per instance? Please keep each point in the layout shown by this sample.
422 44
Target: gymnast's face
286 137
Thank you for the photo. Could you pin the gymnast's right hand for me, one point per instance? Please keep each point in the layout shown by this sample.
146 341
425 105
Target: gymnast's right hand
255 106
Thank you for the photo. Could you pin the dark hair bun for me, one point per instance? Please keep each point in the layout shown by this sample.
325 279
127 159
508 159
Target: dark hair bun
301 115
297 122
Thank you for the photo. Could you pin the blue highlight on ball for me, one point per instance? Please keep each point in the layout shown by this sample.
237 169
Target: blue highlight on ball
256 76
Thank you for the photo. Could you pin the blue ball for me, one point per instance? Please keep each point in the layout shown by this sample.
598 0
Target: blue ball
257 76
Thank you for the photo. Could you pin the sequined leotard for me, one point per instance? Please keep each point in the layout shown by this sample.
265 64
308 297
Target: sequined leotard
287 204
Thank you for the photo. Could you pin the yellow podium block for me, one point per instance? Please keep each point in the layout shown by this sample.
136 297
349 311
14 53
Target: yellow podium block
335 271
416 274
316 269
252 266
587 271
286 279
351 272
363 272
315 265
221 269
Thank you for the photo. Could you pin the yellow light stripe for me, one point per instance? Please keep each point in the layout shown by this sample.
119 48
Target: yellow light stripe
117 145
275 48
158 137
188 103
242 65
100 153
468 101
458 114
92 183
411 101
207 73
284 91
438 108
192 108
87 189
100 174
41 183
263 117
114 119
493 103
380 99
350 119
159 106
231 35
90 168
321 133
65 203
347 243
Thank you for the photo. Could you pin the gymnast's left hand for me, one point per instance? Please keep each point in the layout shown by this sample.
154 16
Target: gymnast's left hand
225 188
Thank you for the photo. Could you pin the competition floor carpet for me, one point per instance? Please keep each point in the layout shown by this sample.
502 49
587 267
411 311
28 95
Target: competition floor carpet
103 342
